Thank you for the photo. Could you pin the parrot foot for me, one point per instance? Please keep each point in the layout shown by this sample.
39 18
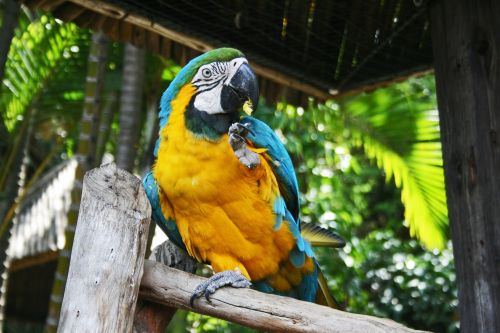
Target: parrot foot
237 133
217 281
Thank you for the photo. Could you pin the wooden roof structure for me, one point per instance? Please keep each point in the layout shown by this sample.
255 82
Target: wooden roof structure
298 48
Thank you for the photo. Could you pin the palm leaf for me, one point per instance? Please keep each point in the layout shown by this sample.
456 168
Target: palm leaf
40 54
35 55
402 135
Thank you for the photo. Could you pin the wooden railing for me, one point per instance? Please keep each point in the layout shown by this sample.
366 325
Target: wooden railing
109 276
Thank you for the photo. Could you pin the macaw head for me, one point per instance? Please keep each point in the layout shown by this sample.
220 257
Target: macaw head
222 82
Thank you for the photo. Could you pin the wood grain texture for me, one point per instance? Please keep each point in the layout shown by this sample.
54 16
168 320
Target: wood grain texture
108 253
466 44
251 308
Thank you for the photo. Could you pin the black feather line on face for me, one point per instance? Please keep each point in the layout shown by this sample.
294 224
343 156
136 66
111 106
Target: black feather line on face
210 126
207 86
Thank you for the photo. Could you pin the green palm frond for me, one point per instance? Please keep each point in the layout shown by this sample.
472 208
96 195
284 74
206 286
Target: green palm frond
402 135
35 56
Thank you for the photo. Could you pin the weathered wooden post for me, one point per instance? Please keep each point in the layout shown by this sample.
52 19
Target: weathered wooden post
108 253
466 45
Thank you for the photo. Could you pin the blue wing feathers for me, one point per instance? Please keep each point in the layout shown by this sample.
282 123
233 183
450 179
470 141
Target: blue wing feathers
263 286
297 257
279 209
166 224
285 207
308 249
263 137
309 286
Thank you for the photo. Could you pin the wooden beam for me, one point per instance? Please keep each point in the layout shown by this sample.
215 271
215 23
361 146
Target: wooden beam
102 7
172 287
108 253
382 82
290 82
466 47
198 44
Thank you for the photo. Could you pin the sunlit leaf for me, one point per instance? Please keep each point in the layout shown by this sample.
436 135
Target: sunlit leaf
34 57
402 135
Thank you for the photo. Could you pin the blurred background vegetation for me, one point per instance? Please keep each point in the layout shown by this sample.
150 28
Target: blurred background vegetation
369 166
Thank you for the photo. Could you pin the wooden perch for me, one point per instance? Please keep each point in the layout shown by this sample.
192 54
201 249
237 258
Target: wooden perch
108 253
172 287
107 263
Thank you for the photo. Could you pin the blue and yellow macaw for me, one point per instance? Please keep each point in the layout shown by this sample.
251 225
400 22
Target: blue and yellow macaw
223 187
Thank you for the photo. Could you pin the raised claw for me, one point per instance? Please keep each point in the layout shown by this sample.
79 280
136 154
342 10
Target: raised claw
236 137
247 157
242 129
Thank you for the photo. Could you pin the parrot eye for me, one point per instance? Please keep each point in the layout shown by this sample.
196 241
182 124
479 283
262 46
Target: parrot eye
206 72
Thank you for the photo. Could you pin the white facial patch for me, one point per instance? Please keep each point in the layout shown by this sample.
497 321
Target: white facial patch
209 81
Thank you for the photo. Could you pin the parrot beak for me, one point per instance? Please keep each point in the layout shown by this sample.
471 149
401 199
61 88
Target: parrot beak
241 91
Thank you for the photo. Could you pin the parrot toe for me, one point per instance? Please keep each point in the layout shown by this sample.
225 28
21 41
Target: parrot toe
241 129
216 281
238 144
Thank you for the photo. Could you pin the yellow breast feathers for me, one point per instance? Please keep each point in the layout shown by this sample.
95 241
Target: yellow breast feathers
223 210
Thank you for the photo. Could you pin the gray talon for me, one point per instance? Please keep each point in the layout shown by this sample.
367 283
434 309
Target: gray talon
237 132
242 129
217 281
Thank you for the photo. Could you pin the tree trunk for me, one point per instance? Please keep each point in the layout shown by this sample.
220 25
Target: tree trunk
10 19
466 45
130 108
85 157
106 119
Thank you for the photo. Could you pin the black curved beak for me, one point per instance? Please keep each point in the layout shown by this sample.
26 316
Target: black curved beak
242 87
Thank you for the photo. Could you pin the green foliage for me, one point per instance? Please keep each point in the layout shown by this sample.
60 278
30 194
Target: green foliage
44 76
399 128
206 324
170 70
381 271
34 58
400 280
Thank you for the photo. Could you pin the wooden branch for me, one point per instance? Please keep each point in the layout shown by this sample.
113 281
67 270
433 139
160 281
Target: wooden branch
108 253
251 308
153 317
